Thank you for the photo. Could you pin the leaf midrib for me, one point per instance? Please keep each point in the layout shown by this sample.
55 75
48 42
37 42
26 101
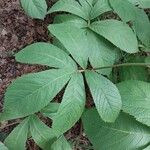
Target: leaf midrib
48 84
53 58
122 131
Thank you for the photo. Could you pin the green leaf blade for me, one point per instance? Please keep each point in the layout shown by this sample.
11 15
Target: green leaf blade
124 9
141 25
125 133
72 105
17 138
117 33
70 19
35 8
72 39
101 52
70 6
45 54
41 133
136 99
31 93
139 19
100 7
106 96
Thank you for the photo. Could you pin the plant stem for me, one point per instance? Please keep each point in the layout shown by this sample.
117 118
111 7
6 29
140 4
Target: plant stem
119 65
124 65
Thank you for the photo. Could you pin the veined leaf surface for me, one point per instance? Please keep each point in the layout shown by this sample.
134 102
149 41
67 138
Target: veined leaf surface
31 93
136 99
105 95
72 105
125 134
45 54
118 33
16 140
41 133
35 8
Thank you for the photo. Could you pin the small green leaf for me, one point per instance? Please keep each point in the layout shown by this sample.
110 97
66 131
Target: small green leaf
72 39
125 134
17 138
134 72
42 134
31 93
2 146
100 7
118 33
35 8
141 25
138 18
61 144
72 105
71 6
50 110
45 54
136 99
106 96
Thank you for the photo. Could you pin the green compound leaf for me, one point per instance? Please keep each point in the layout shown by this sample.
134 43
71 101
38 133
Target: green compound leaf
106 96
35 8
16 140
100 52
72 39
125 134
43 136
2 146
45 54
30 93
118 33
136 99
72 105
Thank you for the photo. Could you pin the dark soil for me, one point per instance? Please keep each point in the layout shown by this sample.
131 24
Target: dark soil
16 31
